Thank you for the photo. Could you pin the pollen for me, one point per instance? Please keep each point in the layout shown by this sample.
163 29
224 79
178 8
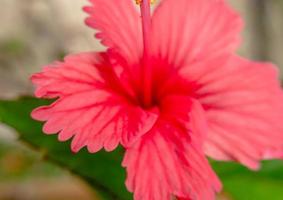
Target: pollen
139 1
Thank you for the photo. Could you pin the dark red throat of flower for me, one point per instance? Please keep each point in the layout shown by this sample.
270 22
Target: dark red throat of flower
146 65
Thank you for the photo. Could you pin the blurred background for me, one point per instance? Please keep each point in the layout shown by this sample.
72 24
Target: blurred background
36 32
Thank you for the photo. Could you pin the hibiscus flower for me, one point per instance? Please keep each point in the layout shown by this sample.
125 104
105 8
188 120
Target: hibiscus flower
170 89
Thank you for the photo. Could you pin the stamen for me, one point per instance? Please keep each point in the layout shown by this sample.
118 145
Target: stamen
138 2
147 71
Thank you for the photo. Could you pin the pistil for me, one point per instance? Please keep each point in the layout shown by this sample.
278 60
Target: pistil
146 71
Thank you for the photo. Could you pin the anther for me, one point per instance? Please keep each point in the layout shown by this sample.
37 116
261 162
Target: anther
140 1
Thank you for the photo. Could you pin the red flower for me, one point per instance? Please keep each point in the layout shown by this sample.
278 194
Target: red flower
168 89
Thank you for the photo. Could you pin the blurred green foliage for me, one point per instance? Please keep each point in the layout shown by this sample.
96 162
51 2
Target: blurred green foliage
12 47
242 184
18 163
103 170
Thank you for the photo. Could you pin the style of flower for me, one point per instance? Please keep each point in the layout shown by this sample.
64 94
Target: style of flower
169 89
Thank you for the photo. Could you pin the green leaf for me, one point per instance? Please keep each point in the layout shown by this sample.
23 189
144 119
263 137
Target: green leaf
243 184
102 170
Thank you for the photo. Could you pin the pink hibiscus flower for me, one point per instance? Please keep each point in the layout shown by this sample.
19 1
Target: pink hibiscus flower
169 89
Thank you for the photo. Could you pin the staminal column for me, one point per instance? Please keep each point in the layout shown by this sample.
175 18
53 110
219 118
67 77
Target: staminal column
147 68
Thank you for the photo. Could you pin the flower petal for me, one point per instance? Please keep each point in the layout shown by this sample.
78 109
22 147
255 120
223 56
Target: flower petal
87 108
119 26
168 162
189 31
243 102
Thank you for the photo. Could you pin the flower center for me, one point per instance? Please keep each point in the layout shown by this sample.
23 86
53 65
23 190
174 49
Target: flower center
166 81
158 79
153 79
